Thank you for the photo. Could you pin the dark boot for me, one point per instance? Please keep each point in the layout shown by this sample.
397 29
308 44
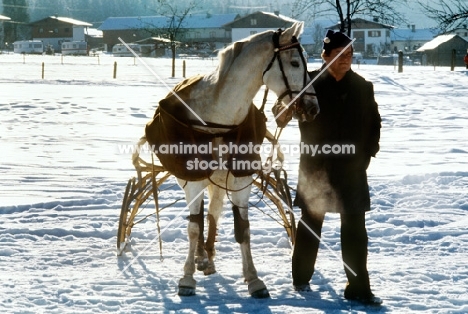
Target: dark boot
354 251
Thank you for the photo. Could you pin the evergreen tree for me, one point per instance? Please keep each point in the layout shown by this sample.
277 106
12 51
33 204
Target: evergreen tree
17 28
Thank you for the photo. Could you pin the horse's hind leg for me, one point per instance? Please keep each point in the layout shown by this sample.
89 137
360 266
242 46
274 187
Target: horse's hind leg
201 258
192 189
257 288
214 212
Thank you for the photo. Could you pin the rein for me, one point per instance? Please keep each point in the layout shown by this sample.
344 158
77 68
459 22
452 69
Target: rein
276 56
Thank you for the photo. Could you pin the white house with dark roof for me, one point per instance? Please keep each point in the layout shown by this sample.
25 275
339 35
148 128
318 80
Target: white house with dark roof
410 39
195 28
54 30
258 22
372 38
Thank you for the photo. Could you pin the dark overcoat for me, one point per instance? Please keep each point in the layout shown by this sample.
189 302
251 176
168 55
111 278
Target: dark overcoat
345 135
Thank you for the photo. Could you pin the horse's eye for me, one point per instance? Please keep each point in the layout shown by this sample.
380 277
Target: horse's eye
295 64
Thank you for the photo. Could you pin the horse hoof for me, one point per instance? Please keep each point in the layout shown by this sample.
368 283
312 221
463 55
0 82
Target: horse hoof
258 290
209 271
201 266
186 291
260 294
187 286
210 268
202 263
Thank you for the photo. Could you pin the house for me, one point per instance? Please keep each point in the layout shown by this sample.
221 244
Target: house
438 52
409 40
462 32
54 30
372 38
93 37
2 31
195 30
256 23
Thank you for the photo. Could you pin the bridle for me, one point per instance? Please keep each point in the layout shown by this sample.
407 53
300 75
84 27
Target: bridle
277 56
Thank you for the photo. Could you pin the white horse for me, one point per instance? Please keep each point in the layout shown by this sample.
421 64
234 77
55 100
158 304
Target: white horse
214 105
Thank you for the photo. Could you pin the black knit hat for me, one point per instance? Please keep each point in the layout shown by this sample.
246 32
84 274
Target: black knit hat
334 40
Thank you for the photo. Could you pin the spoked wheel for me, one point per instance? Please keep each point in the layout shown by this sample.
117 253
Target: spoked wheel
123 223
277 191
136 194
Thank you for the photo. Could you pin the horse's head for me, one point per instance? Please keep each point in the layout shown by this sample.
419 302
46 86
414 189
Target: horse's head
287 76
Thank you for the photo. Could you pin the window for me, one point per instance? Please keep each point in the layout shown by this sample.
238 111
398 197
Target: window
41 30
373 33
212 34
253 21
67 29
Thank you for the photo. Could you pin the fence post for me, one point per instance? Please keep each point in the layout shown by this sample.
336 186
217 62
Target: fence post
183 68
43 70
115 69
400 61
454 53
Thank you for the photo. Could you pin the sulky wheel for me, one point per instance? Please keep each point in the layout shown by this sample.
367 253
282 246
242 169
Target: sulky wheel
123 223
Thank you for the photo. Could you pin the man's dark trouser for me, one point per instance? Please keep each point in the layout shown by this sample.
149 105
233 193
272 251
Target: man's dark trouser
353 248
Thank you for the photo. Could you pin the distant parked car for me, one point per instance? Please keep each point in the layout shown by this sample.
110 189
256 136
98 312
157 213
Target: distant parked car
393 60
75 48
120 50
387 59
28 46
357 58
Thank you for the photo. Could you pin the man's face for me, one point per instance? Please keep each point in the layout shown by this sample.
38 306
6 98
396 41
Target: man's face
343 63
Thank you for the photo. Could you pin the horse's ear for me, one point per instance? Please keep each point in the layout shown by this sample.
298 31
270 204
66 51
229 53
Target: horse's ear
295 30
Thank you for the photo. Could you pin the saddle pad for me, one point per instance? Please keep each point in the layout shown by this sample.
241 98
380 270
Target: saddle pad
171 136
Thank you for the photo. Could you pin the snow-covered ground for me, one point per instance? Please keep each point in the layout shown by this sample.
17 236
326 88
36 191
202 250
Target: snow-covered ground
64 172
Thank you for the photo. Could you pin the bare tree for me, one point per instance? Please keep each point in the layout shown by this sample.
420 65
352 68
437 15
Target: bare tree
382 10
317 37
307 10
173 29
449 14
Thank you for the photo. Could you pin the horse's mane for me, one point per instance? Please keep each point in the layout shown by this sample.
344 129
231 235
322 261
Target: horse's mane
228 55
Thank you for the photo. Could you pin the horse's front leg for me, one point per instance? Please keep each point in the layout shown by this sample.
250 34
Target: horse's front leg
194 197
240 199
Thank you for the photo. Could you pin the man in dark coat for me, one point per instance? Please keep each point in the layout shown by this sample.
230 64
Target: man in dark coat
346 133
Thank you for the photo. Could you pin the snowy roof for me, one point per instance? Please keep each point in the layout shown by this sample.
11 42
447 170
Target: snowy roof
190 21
65 20
93 32
265 19
4 18
359 23
425 34
281 16
436 42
